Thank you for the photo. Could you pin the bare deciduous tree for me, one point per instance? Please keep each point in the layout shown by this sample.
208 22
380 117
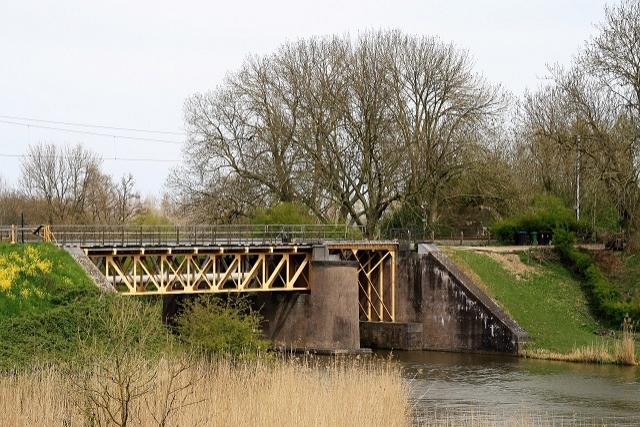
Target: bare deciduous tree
127 199
61 177
346 127
70 183
442 107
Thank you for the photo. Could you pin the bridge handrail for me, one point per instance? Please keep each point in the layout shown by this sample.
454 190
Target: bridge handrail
201 234
22 234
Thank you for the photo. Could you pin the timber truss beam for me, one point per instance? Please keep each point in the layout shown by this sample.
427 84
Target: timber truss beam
376 277
146 271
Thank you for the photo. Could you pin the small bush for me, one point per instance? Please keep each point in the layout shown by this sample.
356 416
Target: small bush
217 328
150 219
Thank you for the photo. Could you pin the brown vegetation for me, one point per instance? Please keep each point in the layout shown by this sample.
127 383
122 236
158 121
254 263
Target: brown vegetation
513 264
254 393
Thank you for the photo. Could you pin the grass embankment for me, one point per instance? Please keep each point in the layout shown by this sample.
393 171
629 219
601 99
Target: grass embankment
47 303
50 309
548 302
34 278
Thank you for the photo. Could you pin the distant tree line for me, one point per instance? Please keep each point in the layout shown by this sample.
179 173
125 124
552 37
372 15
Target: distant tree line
67 185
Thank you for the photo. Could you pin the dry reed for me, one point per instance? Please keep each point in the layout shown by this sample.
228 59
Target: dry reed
621 352
281 393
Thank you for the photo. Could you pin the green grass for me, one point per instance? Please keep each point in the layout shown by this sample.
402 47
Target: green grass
37 277
48 306
549 304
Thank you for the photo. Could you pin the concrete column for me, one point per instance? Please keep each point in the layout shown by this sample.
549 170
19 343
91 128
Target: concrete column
326 318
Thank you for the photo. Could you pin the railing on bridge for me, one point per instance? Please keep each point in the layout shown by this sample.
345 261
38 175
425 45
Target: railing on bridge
193 235
24 234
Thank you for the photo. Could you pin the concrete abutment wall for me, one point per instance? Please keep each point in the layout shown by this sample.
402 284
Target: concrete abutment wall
456 315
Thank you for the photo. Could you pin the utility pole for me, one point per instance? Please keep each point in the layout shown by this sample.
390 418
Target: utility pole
578 178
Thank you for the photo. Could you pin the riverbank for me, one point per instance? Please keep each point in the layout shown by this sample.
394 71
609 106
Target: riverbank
549 303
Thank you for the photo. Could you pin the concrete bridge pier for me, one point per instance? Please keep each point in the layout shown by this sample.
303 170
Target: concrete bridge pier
325 319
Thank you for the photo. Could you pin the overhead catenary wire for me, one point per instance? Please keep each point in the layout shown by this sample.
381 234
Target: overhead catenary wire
134 138
125 159
77 124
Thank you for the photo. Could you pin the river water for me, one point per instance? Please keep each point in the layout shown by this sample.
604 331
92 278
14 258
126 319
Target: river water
488 389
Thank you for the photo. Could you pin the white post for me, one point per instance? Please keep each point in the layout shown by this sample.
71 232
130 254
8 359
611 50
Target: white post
578 178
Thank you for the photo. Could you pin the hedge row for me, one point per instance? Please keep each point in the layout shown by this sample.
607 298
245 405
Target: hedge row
505 230
605 298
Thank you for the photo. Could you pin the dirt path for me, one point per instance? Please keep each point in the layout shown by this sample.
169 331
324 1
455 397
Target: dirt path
514 249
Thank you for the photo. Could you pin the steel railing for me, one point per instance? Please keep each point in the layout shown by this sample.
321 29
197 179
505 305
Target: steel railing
177 235
22 234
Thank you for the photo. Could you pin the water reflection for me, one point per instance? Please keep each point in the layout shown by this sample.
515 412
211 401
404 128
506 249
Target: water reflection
498 386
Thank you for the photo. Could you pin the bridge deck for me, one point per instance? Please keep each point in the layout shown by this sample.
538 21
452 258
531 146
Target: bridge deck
161 260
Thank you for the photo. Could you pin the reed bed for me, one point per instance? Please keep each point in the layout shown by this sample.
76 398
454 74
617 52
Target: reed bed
620 352
265 393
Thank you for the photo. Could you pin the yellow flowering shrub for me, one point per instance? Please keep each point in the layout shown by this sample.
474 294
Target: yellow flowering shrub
22 265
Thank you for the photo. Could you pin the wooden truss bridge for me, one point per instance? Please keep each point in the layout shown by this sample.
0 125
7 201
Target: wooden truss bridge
164 260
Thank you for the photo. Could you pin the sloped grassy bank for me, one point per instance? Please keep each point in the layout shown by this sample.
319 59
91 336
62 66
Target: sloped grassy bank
49 307
550 303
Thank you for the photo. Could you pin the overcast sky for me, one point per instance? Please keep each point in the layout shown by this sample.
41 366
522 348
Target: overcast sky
132 63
